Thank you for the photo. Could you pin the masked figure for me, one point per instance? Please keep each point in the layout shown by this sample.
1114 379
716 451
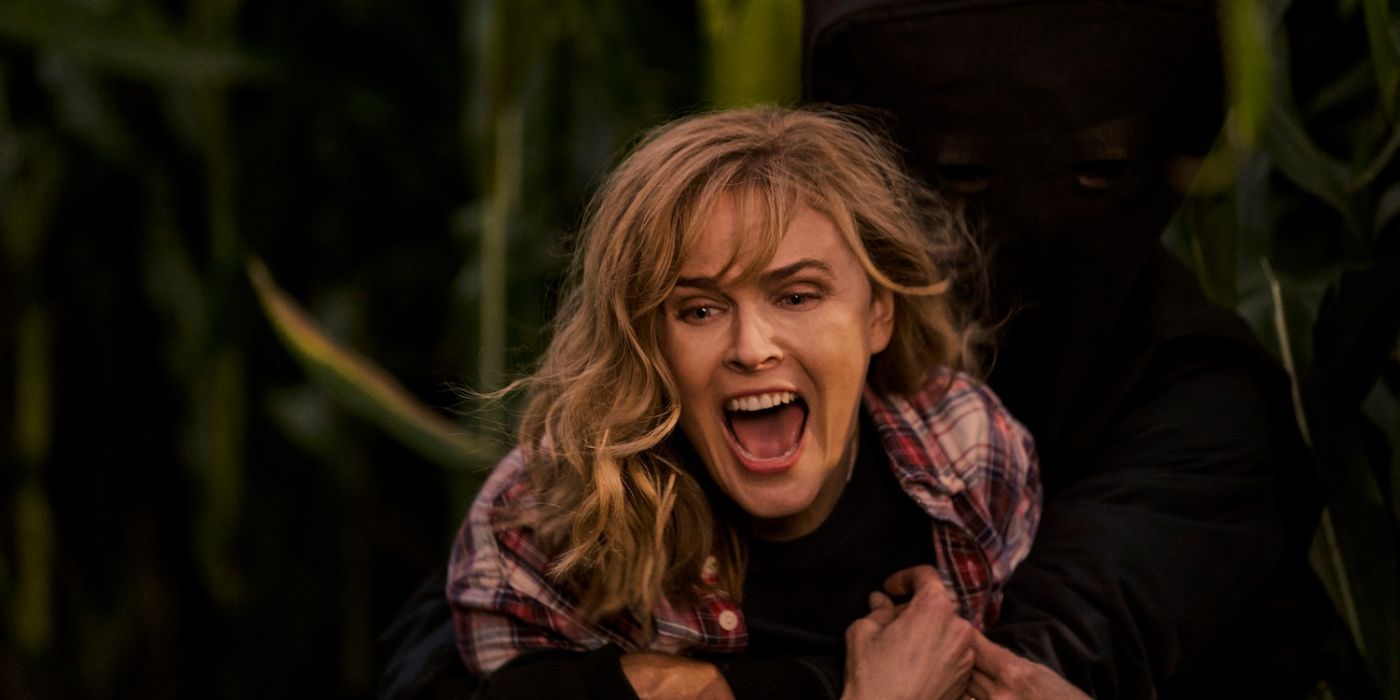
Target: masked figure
1170 557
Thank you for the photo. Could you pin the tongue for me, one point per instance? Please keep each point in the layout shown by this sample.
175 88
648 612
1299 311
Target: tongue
769 433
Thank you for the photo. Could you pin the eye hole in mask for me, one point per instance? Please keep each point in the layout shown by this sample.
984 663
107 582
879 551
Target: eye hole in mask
959 162
1100 174
1103 154
964 178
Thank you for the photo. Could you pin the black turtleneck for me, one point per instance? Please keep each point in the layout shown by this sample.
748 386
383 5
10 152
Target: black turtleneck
800 595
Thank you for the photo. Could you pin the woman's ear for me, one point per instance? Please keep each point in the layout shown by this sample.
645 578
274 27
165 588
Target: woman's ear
881 318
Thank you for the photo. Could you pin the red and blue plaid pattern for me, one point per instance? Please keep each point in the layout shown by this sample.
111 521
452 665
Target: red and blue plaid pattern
957 453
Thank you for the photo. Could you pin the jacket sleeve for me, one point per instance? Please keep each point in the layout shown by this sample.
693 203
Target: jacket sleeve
560 675
1149 552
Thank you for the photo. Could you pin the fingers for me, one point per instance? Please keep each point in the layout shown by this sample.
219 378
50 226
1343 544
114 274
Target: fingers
883 611
957 675
931 602
880 600
992 658
860 630
860 633
907 582
1015 676
966 662
981 686
919 649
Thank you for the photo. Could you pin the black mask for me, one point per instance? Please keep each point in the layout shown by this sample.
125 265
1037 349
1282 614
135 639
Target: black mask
1068 131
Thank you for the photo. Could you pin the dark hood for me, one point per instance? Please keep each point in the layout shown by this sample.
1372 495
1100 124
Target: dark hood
1068 130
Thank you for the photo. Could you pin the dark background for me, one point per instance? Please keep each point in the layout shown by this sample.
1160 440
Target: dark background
193 504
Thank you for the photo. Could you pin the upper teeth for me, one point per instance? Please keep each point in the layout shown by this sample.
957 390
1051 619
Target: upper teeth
758 402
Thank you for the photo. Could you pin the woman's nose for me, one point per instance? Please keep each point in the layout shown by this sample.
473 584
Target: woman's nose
754 345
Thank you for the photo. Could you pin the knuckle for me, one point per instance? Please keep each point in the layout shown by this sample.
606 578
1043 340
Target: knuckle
966 661
940 603
931 577
1017 677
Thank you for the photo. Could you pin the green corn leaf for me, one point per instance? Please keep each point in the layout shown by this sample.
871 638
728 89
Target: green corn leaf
1206 240
1216 173
754 50
1385 53
30 197
1365 543
217 439
1377 164
363 388
33 428
1354 84
1386 209
1286 338
1354 340
1357 330
1301 161
143 53
1382 408
1249 68
34 543
1325 557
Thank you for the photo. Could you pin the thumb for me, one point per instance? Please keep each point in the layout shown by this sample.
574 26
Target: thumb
882 609
912 580
991 657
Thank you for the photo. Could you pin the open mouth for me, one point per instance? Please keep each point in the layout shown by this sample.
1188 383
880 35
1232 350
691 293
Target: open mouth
766 430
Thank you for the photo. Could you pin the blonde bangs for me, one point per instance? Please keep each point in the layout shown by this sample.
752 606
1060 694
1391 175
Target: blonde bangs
763 206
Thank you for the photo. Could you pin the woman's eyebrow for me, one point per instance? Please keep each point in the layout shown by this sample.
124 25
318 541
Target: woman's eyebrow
764 279
708 283
806 264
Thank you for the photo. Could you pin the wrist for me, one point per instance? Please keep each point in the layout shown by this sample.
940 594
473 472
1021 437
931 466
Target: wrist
656 675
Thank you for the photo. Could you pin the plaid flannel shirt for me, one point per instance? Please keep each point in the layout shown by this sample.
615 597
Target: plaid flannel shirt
958 454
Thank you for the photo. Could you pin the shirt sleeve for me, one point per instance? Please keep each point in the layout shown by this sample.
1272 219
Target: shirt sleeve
996 492
1009 489
503 604
974 469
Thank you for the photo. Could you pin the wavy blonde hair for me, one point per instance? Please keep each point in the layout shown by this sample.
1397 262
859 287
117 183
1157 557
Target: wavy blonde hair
627 524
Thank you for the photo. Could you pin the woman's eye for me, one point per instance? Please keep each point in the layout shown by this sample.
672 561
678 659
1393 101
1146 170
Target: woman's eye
797 299
697 313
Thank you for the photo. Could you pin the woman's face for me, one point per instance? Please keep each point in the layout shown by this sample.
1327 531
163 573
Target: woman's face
770 370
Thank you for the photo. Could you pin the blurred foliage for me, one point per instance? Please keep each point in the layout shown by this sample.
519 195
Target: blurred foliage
1292 220
192 502
363 388
188 507
754 50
